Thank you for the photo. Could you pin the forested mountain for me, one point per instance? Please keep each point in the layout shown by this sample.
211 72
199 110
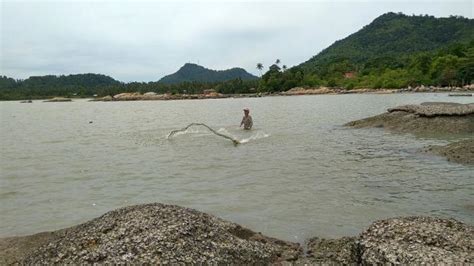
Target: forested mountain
393 51
393 35
196 73
50 85
51 81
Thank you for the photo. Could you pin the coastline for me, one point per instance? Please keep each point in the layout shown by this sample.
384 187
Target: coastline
297 91
465 91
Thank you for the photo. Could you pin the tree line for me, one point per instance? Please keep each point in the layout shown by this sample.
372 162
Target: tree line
89 86
449 66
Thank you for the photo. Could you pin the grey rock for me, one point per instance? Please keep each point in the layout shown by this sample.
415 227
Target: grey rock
424 119
158 233
460 151
167 234
432 109
417 240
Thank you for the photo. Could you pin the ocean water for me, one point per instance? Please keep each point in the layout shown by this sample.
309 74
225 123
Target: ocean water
299 173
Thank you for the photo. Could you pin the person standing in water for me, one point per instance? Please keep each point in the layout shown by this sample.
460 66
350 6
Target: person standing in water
247 120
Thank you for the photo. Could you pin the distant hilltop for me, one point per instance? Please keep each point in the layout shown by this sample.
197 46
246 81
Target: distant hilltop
388 38
193 72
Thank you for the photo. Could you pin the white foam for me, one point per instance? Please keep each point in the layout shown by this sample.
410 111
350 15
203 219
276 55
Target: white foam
256 136
187 131
224 131
259 135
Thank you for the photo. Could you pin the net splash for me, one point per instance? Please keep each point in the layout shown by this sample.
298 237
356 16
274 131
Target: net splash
180 131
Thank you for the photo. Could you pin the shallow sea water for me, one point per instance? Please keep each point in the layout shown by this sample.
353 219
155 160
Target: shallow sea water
298 174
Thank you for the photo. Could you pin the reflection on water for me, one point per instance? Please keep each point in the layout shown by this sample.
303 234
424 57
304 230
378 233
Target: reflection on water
298 174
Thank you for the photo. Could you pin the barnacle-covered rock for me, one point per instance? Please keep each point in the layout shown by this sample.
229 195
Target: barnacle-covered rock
417 240
160 234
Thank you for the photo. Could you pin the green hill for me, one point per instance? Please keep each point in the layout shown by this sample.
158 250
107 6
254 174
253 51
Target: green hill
393 35
50 85
51 81
393 51
196 73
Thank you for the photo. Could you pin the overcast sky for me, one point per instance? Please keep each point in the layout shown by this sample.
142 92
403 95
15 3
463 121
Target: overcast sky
145 40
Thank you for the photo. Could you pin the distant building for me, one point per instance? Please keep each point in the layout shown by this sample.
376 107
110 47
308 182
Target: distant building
349 75
210 91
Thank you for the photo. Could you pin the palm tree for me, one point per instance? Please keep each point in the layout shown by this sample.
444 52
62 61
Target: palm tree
260 67
277 61
284 68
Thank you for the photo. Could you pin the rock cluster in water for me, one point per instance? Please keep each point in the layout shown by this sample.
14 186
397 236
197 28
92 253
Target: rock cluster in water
433 109
150 96
431 118
427 118
332 90
167 234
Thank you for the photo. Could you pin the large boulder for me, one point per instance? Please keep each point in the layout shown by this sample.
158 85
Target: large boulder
151 93
403 240
59 99
128 96
160 234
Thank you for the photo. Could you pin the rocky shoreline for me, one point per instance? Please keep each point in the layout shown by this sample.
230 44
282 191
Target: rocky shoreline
152 96
465 90
431 118
58 99
167 234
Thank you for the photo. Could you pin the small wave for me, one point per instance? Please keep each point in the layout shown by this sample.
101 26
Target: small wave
185 132
259 135
225 131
